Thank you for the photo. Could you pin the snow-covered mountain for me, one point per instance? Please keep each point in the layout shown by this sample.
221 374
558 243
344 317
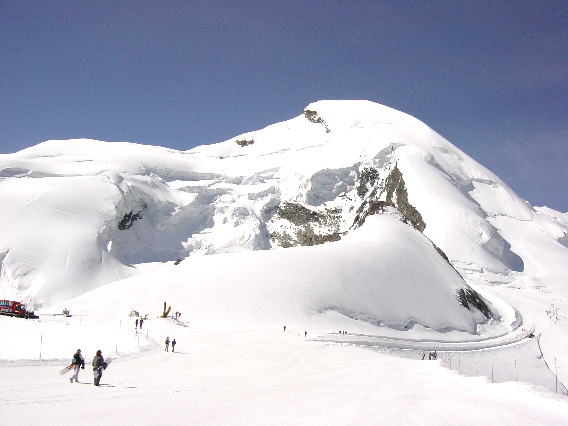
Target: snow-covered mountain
81 213
351 216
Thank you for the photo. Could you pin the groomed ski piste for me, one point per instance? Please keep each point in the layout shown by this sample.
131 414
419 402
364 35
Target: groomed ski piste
384 283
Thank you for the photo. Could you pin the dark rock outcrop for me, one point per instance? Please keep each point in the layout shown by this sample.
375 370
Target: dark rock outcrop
313 117
303 219
470 299
298 214
128 220
244 142
396 196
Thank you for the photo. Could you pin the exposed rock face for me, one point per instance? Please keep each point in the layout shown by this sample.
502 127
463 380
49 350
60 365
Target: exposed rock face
313 117
470 299
298 214
244 142
394 193
367 178
128 220
304 223
310 225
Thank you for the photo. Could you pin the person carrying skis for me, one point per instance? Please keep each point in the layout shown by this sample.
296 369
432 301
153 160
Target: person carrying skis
174 345
167 344
99 365
78 362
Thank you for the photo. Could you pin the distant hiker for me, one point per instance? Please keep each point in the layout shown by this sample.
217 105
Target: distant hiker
78 362
305 333
167 344
136 323
284 329
423 355
141 322
174 345
99 365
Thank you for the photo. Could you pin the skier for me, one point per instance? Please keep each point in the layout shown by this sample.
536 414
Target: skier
99 365
305 333
284 329
78 362
174 345
136 326
167 344
141 322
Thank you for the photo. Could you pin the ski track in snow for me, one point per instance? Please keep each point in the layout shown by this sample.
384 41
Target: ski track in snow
268 376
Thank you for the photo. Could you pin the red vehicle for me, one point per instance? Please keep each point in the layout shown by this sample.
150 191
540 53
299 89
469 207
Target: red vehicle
15 309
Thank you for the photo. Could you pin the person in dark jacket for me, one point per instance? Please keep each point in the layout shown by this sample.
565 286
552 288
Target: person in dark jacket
78 362
174 345
99 365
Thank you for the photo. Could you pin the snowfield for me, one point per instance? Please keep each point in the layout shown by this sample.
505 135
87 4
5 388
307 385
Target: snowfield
259 376
350 217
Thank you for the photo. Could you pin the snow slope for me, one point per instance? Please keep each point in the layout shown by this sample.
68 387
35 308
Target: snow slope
352 216
65 200
306 285
267 377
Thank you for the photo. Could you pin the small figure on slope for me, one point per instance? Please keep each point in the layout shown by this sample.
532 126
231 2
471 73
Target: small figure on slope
174 345
78 362
167 344
141 322
99 365
136 326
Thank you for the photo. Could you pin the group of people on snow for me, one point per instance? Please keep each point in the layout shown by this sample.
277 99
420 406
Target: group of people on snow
139 322
167 342
78 362
431 355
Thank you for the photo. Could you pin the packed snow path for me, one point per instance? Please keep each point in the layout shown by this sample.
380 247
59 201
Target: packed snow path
267 377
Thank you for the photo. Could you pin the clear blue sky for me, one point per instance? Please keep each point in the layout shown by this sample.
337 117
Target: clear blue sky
491 76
